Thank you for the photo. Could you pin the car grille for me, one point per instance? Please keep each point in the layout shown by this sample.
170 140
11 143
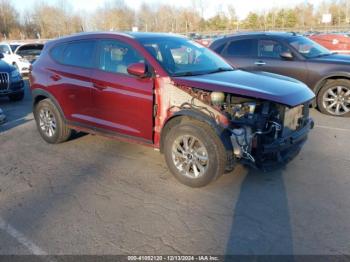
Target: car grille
4 81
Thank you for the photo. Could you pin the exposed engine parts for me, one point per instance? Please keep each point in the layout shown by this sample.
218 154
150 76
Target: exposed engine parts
252 122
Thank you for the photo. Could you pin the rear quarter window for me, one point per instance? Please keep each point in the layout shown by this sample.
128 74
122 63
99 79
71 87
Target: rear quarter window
56 53
79 53
219 48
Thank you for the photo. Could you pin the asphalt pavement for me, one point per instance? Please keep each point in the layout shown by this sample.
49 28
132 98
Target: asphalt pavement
94 195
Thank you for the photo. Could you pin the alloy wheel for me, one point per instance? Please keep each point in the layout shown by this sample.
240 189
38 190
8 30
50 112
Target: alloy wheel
47 122
190 156
336 100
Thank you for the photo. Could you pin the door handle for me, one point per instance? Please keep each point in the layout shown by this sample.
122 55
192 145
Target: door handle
55 77
259 63
99 86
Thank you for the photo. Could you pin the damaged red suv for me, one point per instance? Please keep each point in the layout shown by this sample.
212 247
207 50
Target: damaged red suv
172 94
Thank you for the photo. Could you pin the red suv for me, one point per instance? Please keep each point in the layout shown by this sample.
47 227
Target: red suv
172 94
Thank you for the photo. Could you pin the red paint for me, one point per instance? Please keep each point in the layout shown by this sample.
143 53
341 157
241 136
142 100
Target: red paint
123 105
339 43
93 100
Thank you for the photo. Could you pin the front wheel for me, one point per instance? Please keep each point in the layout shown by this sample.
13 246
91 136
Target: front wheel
334 98
194 153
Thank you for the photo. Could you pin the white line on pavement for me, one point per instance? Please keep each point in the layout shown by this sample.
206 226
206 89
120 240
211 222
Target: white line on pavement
34 249
333 128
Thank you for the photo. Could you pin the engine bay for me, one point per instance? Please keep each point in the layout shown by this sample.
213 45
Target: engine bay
253 123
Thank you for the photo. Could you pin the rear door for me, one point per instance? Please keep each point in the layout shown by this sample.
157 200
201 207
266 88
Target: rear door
241 53
69 78
269 60
122 103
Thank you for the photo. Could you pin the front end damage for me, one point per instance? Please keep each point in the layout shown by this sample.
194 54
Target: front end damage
256 132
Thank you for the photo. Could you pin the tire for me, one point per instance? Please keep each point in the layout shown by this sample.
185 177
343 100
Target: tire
335 92
209 162
50 122
17 96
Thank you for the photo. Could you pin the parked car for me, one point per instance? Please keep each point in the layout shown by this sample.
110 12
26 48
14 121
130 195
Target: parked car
335 42
196 109
11 82
29 51
2 117
327 74
14 59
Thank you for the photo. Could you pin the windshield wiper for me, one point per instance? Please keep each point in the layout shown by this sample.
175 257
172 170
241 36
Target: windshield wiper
220 69
189 73
320 55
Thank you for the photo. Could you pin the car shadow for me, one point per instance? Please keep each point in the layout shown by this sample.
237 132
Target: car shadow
261 222
17 113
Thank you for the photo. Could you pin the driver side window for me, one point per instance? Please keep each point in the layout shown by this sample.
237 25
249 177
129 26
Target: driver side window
115 56
270 49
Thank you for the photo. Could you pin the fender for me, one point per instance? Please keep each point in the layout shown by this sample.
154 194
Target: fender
319 84
221 131
41 92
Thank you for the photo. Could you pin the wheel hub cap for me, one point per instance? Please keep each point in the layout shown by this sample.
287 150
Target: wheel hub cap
190 156
336 100
47 122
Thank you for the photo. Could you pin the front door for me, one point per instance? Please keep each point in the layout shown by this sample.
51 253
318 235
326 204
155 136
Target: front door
122 103
269 60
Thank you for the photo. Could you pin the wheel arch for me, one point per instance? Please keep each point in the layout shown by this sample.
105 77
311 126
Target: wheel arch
41 94
181 115
333 76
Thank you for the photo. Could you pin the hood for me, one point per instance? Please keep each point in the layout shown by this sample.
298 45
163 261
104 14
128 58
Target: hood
261 85
334 58
5 67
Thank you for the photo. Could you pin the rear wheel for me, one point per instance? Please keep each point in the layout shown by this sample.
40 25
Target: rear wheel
194 153
334 98
50 123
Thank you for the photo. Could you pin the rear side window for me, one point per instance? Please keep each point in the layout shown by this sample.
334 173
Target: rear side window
79 54
244 47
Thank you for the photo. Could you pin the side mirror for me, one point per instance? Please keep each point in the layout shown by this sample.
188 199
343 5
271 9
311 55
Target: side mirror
1 56
137 69
286 55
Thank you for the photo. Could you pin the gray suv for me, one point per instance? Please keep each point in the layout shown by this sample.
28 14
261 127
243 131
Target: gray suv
327 74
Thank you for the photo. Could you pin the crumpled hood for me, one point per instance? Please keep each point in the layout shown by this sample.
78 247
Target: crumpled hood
262 85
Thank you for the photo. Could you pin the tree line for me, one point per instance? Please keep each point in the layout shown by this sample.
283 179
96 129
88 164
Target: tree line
45 20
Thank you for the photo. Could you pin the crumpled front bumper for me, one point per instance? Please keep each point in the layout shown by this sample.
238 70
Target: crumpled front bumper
282 150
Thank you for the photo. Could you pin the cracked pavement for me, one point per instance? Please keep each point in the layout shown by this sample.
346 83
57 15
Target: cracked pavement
94 195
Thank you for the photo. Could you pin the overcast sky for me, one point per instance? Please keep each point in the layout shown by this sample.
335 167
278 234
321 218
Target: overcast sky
243 7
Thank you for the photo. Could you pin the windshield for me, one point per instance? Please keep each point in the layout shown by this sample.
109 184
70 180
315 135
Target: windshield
4 49
308 48
182 57
13 47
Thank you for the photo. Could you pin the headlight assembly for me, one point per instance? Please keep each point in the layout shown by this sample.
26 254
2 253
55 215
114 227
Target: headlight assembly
15 75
